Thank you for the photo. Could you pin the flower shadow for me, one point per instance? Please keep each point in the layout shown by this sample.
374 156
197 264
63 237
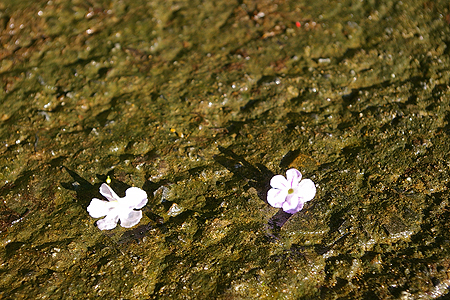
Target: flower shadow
84 190
257 176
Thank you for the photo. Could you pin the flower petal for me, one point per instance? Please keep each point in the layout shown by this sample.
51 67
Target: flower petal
98 208
108 193
291 202
130 219
306 190
276 197
293 210
293 177
279 182
108 223
134 198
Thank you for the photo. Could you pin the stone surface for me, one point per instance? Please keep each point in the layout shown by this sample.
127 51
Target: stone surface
200 103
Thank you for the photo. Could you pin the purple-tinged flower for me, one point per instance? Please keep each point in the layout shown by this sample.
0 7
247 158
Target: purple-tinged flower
118 208
290 193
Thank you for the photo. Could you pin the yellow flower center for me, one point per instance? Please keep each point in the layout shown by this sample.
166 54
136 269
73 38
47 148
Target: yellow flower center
290 191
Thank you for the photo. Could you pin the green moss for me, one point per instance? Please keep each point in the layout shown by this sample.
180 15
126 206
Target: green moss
200 104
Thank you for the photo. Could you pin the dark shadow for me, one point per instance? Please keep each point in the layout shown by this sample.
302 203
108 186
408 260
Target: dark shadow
135 235
278 220
12 247
84 190
257 176
289 158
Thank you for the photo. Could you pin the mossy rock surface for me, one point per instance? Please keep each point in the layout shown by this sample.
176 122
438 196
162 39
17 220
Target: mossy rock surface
200 103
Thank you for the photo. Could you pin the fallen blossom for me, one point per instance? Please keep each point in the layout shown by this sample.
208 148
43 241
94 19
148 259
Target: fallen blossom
118 208
290 192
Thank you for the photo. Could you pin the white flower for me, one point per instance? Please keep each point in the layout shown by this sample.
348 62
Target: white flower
290 193
118 208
